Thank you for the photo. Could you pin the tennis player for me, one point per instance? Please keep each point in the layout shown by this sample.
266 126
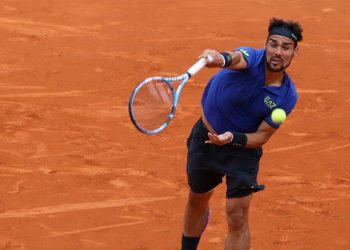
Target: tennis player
235 123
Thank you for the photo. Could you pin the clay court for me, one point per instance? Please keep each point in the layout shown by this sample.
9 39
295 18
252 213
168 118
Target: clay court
76 174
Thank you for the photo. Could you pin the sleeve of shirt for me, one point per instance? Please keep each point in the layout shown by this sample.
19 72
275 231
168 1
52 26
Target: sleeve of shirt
249 54
287 107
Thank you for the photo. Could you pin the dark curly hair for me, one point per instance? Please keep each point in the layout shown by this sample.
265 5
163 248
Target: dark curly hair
289 24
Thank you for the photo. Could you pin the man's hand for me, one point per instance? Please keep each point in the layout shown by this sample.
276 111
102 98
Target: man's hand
217 59
221 139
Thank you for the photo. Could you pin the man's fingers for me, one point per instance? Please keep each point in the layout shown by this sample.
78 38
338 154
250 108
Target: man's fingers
211 138
220 140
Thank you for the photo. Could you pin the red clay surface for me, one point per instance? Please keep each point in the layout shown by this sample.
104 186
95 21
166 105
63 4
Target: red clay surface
75 174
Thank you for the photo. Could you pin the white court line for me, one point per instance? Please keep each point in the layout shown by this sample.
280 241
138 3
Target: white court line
57 94
294 147
317 91
86 230
326 150
63 208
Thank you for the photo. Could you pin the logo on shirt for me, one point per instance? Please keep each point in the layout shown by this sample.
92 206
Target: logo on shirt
244 52
269 102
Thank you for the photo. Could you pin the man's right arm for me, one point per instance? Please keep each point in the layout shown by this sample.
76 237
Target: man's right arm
236 58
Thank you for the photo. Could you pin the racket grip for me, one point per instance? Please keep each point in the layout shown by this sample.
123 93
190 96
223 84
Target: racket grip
199 65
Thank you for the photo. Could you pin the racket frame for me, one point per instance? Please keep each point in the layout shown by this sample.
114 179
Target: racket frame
176 94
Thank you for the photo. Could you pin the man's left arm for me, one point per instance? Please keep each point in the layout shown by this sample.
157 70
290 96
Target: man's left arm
261 136
254 140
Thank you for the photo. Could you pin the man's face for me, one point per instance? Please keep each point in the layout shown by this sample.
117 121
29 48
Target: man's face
279 52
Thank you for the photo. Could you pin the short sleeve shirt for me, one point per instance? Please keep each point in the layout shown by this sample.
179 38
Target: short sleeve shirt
238 100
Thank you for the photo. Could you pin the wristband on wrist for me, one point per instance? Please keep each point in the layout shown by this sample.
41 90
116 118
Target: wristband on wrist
239 140
227 59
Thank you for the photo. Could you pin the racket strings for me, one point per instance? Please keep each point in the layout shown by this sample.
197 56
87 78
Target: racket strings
152 104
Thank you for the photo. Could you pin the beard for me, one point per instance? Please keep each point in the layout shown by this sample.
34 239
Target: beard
273 68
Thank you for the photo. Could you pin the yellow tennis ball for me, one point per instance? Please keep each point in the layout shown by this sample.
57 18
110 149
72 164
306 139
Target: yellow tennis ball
278 115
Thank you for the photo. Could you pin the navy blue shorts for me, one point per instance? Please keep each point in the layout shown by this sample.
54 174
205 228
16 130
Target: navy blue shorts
207 164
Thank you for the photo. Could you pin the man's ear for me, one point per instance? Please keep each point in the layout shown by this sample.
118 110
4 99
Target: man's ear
265 45
296 51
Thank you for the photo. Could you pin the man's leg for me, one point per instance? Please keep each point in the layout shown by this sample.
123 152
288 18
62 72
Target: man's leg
237 211
195 219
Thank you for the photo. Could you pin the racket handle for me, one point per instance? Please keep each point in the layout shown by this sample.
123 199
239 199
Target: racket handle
199 65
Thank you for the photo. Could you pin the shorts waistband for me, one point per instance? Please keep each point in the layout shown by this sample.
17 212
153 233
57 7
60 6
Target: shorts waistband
207 124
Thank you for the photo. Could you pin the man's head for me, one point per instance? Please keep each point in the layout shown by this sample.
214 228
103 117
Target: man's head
282 43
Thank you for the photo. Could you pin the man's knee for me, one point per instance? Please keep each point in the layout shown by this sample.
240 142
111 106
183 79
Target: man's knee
236 221
237 214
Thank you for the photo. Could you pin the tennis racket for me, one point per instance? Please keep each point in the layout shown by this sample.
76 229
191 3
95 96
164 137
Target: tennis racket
153 102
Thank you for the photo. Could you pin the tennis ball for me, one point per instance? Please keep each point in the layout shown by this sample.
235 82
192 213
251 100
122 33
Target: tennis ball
278 115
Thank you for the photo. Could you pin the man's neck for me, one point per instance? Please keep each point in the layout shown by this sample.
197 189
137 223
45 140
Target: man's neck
274 78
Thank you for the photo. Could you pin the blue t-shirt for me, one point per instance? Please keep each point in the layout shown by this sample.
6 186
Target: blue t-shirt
238 100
